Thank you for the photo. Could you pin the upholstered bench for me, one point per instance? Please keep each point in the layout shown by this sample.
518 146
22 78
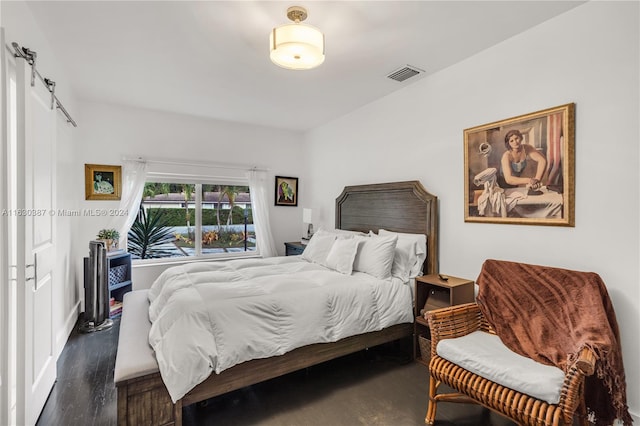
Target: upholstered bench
467 356
136 374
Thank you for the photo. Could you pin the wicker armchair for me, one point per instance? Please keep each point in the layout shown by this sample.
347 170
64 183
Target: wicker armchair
460 320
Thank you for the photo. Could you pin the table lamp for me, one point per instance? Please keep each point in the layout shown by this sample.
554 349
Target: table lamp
306 218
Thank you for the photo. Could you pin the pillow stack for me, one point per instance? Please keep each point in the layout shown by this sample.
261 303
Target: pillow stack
386 255
333 249
409 256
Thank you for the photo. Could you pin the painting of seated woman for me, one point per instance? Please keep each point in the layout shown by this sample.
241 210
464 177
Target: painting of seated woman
521 170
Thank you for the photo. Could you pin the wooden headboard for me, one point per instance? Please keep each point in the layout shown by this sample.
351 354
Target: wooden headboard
397 206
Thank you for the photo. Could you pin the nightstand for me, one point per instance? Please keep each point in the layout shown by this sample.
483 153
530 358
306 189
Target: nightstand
433 293
294 248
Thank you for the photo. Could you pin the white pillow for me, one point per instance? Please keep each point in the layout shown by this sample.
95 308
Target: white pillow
375 255
340 233
318 248
410 254
342 254
404 259
346 232
403 256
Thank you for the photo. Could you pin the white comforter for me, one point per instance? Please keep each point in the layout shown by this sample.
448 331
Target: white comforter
209 316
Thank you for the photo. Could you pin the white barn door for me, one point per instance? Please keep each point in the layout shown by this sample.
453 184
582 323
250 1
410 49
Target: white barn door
5 244
36 244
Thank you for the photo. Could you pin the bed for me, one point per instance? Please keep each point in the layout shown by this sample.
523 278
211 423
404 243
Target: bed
399 207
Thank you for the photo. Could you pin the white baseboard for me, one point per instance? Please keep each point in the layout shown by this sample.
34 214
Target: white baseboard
69 323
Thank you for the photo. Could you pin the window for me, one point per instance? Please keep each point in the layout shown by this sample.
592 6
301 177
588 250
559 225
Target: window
179 219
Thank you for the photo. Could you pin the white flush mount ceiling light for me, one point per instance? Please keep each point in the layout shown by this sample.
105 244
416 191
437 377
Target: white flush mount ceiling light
297 46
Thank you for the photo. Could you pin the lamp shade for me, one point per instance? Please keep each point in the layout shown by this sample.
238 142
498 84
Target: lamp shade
306 215
296 46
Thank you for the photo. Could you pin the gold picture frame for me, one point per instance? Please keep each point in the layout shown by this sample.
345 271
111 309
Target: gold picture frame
521 170
102 182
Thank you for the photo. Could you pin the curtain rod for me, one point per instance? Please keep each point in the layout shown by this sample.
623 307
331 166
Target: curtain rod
193 164
30 56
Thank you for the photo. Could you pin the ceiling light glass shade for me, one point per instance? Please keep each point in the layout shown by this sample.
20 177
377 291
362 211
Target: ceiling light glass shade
297 46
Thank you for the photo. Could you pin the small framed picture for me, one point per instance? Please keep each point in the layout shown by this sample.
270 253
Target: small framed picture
286 191
102 182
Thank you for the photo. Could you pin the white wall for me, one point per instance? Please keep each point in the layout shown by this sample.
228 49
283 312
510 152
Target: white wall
20 27
108 133
588 56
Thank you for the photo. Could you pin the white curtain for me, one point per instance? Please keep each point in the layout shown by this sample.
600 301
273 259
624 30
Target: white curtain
258 187
134 175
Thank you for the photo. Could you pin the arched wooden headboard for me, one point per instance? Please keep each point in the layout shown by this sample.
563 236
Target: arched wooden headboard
396 206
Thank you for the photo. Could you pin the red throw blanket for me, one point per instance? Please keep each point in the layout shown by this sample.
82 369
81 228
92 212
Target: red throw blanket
550 315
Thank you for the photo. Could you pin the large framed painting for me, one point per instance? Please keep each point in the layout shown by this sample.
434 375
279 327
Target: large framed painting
102 182
521 170
286 191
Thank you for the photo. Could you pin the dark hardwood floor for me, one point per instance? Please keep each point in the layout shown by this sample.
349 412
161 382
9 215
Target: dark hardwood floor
373 387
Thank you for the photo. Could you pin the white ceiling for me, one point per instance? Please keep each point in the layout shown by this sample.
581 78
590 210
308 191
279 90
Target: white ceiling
211 58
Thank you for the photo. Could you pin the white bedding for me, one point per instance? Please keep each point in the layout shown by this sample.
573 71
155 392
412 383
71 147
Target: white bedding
209 316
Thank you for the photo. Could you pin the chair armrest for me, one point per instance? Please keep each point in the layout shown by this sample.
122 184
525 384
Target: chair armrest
573 387
454 321
586 362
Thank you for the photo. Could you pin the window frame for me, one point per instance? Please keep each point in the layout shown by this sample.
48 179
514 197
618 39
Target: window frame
198 181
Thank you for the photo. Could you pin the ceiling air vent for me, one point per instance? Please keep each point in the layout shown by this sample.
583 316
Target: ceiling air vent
405 73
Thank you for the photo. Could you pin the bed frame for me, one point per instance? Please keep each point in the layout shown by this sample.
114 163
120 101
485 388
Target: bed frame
400 207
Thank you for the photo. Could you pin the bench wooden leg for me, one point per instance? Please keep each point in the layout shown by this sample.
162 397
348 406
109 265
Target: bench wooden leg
144 401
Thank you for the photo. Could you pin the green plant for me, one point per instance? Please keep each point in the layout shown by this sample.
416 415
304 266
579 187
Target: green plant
148 234
108 234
